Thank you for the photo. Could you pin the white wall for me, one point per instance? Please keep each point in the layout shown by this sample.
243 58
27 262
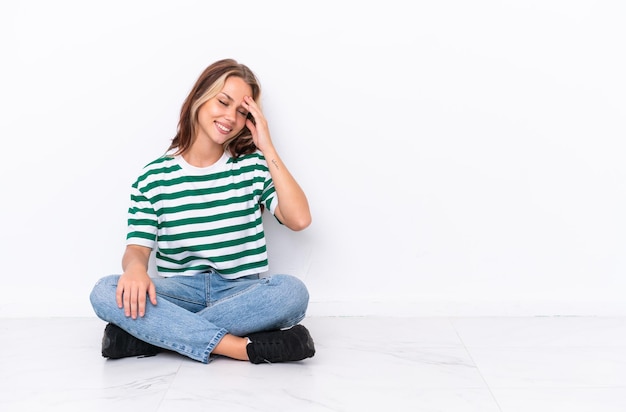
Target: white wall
461 158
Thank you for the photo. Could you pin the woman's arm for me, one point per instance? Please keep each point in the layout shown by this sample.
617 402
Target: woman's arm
293 207
135 283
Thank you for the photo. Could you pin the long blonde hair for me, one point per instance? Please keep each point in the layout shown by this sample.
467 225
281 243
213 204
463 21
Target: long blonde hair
208 85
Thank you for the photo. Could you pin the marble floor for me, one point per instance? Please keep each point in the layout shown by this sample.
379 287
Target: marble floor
481 364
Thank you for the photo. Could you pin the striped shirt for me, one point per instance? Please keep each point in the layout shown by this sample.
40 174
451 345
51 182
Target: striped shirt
203 218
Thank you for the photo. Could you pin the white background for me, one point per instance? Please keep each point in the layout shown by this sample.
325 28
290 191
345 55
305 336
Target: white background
460 158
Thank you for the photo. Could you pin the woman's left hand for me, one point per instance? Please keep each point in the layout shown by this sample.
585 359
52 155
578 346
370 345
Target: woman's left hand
258 128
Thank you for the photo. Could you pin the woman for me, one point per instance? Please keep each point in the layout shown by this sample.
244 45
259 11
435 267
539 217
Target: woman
200 208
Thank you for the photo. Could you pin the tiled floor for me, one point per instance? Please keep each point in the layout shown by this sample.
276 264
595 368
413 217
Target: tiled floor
392 364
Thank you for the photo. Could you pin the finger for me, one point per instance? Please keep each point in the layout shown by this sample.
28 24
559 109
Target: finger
133 303
152 293
126 299
251 126
119 292
251 105
250 102
141 304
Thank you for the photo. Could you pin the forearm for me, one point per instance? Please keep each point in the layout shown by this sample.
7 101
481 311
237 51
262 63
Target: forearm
135 259
294 211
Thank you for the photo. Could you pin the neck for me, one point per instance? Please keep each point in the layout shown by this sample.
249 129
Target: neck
203 156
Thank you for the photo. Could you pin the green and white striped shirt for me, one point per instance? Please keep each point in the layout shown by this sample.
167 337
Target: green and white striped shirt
201 218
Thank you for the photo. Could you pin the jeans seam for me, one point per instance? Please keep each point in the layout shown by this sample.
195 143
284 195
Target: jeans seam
241 292
172 297
212 344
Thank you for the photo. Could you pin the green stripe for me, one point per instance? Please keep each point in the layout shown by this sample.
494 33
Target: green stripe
267 193
165 169
205 268
139 198
209 246
142 235
199 268
197 178
243 158
197 192
209 218
206 205
141 222
247 266
207 233
224 258
136 210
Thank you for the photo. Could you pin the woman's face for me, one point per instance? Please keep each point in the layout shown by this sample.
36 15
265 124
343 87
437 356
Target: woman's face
223 116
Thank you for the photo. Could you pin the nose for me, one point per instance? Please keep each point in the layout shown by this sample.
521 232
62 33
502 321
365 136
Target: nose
231 114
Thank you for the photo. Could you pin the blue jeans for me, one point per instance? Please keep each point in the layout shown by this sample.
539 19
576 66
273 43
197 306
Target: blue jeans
193 313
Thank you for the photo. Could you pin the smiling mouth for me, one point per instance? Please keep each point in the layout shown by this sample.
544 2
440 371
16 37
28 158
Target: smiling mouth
223 128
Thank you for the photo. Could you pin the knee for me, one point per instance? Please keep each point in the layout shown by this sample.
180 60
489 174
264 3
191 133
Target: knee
294 291
103 292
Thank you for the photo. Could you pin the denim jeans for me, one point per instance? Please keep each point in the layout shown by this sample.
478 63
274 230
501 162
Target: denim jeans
193 313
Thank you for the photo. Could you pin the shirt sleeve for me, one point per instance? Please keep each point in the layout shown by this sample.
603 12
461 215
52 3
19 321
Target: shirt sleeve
142 220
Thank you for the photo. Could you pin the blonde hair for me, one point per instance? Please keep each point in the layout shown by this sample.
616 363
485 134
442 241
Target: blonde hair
208 85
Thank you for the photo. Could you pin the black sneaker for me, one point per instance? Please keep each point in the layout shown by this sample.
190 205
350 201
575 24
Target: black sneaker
117 343
286 345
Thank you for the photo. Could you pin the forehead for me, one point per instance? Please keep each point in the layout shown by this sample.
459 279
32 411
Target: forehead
236 88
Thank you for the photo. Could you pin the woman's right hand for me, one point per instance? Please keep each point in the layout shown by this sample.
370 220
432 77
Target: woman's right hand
135 283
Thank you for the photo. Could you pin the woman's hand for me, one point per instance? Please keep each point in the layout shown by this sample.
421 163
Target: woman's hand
258 127
293 207
135 283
